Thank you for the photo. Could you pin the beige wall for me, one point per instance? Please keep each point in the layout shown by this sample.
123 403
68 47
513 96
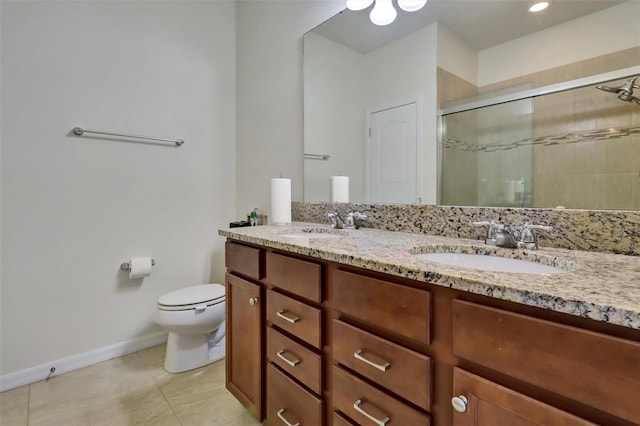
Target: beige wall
74 209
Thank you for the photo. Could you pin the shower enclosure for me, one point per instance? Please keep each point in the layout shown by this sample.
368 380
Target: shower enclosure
563 144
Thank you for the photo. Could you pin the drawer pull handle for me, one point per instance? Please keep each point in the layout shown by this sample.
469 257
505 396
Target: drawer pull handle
253 301
358 408
282 357
459 403
382 367
286 318
280 414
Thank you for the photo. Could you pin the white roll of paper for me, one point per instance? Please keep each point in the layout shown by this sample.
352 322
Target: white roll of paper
339 188
280 201
140 267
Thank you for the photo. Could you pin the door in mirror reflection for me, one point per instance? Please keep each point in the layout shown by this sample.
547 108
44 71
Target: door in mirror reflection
393 173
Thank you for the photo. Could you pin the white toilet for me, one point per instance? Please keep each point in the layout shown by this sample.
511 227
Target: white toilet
194 317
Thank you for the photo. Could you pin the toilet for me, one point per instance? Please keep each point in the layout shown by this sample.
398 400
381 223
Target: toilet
194 317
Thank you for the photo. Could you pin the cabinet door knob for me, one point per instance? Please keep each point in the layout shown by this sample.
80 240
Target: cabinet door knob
459 403
253 301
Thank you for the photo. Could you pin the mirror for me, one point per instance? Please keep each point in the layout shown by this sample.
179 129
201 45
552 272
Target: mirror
376 102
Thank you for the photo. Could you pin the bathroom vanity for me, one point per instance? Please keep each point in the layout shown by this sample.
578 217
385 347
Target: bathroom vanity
355 328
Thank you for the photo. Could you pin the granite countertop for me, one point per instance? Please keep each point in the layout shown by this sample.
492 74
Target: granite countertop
603 287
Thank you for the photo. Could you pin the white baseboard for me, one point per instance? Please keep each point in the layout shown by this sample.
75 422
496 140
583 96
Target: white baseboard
64 365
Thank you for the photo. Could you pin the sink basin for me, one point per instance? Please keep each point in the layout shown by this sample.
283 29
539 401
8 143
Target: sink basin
490 263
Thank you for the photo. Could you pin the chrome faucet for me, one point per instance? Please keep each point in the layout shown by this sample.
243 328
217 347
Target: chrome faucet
350 222
522 237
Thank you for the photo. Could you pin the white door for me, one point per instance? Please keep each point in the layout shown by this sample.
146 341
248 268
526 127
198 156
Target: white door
393 172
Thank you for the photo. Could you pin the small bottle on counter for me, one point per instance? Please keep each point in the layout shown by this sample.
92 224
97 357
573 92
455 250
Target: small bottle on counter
253 217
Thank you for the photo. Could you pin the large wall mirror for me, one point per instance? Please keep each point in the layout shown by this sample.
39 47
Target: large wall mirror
476 103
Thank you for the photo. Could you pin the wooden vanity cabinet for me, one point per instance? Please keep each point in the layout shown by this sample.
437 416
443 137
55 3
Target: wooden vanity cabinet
244 340
590 368
483 402
319 343
377 377
295 341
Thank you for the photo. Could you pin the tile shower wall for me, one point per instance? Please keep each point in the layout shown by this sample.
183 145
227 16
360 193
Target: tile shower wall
589 230
585 146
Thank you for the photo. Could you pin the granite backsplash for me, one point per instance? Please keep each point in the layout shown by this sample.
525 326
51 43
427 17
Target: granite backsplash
607 231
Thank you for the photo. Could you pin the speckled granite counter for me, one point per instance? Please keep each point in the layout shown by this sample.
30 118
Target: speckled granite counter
603 287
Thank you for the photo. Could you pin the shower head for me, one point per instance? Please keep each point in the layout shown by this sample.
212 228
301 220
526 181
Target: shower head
625 91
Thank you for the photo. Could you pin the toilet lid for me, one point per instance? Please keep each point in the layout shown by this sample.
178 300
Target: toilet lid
198 294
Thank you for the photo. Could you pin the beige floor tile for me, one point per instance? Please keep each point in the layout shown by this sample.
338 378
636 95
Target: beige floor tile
153 359
14 406
149 408
120 377
200 398
131 390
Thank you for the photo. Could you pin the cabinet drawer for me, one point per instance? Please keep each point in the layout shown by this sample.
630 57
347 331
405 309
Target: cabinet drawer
405 372
297 318
244 259
491 404
354 398
400 309
338 420
295 359
288 401
595 369
296 276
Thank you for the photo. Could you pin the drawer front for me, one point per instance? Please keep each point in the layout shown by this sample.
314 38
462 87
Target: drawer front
491 404
402 310
296 276
404 372
297 318
244 260
295 359
365 404
289 402
338 420
598 370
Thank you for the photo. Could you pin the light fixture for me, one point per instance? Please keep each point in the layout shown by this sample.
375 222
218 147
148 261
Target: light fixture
383 13
539 6
358 4
411 5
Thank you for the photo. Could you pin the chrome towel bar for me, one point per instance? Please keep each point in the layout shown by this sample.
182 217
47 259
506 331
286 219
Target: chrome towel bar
80 131
324 157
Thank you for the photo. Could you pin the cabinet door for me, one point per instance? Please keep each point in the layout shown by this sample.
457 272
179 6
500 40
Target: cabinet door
244 343
484 403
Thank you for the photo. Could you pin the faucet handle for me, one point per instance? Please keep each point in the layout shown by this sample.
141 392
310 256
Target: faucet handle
491 230
529 236
333 217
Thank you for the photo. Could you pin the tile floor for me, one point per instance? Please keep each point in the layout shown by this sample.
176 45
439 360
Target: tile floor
131 390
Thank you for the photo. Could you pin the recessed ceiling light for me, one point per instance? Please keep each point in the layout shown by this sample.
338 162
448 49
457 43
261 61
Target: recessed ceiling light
539 6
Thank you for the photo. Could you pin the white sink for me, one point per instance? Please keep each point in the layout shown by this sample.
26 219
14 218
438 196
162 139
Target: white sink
490 263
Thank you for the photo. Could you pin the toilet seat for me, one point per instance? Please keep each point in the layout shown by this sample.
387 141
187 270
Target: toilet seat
196 297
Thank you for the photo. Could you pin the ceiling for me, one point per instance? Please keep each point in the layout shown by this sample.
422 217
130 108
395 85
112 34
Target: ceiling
481 23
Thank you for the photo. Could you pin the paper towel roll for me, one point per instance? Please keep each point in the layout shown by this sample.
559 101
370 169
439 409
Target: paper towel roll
140 267
339 189
280 201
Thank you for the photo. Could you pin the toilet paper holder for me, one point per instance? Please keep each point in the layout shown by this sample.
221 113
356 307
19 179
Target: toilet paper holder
126 266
